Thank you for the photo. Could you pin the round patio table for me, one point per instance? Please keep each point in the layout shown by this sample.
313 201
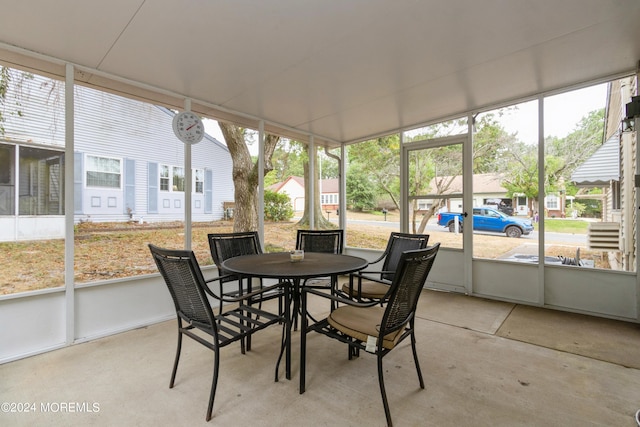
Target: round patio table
279 266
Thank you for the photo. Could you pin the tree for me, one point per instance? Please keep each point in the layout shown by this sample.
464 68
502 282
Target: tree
245 174
379 159
361 194
320 223
287 160
562 157
16 79
432 171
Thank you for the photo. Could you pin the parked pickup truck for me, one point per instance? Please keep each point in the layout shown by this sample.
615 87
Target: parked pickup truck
488 219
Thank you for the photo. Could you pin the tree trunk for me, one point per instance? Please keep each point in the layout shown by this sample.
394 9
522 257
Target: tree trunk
320 222
245 175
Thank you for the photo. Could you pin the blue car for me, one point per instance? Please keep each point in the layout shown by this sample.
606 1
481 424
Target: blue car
488 219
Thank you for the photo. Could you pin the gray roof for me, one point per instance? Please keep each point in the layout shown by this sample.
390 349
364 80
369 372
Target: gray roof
602 167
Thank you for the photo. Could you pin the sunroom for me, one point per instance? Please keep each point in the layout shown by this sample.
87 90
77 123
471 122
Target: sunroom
525 91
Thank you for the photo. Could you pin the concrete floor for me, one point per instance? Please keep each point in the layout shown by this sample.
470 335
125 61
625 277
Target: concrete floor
479 365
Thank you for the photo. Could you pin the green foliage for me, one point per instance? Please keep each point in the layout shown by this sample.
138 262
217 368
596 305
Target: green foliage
277 206
577 207
361 193
489 143
592 208
379 160
287 160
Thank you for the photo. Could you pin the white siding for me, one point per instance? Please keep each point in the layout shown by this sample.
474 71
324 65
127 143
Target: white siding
112 126
34 110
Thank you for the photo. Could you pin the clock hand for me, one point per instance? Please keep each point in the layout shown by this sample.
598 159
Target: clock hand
191 126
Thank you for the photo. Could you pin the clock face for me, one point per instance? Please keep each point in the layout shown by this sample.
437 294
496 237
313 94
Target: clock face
188 127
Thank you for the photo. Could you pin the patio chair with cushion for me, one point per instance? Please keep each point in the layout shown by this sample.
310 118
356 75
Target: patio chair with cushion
370 285
373 328
188 289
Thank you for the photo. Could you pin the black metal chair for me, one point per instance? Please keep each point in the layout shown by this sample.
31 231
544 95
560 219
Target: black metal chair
373 328
229 245
189 291
373 285
326 241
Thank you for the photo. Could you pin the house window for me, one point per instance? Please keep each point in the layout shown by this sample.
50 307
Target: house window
329 199
172 179
178 179
104 172
615 195
198 181
7 171
164 177
552 202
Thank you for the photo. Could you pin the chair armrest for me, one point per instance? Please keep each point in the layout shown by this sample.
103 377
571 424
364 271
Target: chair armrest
241 297
365 275
224 276
383 256
337 299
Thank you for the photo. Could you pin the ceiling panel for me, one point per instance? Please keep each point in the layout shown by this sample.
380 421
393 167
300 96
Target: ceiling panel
341 70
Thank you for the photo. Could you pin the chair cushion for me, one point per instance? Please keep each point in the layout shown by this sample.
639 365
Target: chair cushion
370 289
362 322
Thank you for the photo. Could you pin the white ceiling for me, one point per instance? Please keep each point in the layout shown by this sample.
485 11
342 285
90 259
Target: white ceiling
342 70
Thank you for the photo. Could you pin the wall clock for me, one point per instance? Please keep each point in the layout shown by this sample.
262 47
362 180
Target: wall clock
188 127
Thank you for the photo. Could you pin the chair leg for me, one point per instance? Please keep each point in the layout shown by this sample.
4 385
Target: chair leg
214 383
283 344
303 343
415 358
385 403
177 359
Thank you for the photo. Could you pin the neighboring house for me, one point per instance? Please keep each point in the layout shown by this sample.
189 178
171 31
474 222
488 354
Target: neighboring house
128 164
602 170
487 191
294 188
611 168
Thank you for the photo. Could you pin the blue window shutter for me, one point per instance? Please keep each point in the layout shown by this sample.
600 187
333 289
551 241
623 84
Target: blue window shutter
208 191
129 186
153 188
78 179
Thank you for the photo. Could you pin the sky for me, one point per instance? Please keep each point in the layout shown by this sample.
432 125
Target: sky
562 113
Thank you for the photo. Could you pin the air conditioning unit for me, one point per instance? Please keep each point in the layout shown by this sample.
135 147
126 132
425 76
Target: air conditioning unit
604 236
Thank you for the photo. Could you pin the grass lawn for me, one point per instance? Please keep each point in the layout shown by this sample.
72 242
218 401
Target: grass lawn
573 226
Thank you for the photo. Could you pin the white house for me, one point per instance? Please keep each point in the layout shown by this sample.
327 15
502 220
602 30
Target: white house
128 163
294 188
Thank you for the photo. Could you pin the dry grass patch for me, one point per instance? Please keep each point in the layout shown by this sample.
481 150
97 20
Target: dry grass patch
117 250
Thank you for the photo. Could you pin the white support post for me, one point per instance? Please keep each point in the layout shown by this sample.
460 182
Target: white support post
187 187
261 181
541 197
404 186
69 253
342 193
467 205
312 182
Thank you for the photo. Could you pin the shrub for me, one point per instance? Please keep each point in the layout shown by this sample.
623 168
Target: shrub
277 206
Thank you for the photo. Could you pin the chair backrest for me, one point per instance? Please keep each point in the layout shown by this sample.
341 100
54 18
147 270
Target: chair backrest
328 241
406 288
229 245
183 277
397 244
